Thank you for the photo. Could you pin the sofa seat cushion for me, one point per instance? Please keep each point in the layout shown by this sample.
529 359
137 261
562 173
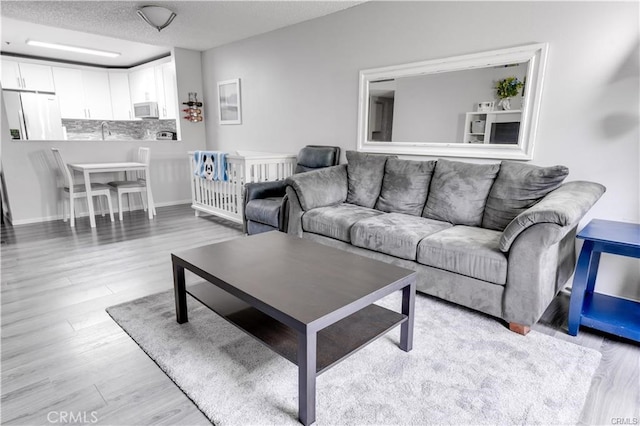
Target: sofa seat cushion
264 210
466 250
395 234
336 221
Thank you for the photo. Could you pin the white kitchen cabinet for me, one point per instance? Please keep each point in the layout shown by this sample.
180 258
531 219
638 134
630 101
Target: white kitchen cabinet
70 93
26 76
165 76
37 77
142 85
120 96
11 75
97 95
83 94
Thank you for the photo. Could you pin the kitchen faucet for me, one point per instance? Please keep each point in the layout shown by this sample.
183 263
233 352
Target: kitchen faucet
104 125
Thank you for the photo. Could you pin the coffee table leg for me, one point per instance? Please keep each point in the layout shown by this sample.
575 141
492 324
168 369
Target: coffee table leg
406 329
180 293
307 377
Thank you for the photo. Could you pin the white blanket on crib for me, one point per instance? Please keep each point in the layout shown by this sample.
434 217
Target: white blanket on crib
211 165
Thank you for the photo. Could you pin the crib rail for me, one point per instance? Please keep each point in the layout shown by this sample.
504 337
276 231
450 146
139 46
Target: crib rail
225 199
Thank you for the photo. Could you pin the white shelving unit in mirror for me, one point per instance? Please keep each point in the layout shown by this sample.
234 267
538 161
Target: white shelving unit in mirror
492 127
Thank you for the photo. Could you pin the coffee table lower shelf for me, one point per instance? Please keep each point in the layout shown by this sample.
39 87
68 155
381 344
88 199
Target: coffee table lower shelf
335 342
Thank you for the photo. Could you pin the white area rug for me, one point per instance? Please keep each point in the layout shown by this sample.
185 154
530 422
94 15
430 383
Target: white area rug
465 368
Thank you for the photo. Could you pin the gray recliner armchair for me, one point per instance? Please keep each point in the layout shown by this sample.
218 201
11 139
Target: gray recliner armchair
264 201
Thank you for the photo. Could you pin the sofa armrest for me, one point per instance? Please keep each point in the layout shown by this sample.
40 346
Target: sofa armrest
541 260
564 206
319 188
294 214
257 190
260 190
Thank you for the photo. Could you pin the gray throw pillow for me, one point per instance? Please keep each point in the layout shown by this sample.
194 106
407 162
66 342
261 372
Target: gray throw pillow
364 173
405 186
459 191
518 187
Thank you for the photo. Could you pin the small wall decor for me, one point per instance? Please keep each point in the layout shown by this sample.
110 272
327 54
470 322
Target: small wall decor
230 111
194 113
486 106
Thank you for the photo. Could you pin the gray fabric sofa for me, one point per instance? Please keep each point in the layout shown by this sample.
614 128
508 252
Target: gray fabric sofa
497 238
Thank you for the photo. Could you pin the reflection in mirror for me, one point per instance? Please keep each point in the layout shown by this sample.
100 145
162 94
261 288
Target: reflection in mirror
449 117
381 103
451 107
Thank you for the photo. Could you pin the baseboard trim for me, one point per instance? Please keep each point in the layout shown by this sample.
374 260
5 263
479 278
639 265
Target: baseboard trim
37 220
173 203
42 219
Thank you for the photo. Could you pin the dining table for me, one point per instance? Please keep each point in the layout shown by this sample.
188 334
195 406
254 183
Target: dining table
130 166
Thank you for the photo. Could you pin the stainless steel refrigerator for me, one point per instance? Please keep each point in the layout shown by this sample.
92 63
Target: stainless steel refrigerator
33 116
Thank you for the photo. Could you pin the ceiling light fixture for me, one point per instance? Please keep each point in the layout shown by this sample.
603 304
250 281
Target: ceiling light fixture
73 48
157 16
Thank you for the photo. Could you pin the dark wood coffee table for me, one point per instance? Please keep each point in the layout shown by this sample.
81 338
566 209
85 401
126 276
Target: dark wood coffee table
310 303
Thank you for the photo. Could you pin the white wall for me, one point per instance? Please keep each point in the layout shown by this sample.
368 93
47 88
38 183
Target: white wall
29 168
300 86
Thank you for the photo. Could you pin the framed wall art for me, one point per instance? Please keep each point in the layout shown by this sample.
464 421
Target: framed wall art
229 107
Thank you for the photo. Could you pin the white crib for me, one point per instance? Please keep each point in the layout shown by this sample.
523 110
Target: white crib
225 199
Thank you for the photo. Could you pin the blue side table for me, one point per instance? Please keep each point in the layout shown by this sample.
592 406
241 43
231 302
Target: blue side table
606 313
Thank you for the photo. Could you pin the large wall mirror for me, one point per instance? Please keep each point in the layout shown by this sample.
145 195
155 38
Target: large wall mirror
450 107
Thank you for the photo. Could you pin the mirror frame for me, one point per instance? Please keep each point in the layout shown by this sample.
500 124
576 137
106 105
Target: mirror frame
535 54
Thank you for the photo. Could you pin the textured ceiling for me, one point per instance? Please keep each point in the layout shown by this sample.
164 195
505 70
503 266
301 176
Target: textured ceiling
199 25
15 33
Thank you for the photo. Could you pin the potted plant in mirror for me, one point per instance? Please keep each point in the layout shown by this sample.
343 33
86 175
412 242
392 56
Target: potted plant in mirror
506 89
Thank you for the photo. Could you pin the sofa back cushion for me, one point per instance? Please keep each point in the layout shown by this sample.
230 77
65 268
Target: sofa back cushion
518 187
458 192
405 186
364 175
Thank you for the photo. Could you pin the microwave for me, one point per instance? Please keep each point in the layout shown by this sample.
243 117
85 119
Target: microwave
145 110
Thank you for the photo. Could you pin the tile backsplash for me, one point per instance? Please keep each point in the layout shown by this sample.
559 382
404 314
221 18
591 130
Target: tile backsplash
120 130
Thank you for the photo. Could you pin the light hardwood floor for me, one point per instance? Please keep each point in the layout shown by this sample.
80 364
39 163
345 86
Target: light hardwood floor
62 355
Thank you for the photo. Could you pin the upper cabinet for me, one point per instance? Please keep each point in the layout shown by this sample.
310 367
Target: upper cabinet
69 91
97 94
83 94
26 76
11 75
142 85
156 84
120 96
166 90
